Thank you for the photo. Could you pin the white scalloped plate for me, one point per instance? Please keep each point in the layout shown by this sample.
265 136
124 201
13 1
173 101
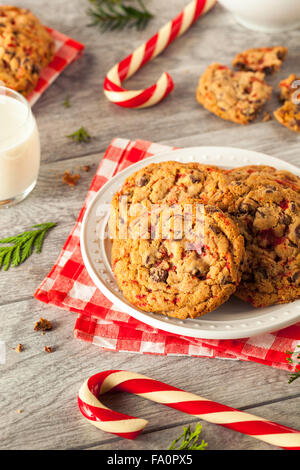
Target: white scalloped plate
234 319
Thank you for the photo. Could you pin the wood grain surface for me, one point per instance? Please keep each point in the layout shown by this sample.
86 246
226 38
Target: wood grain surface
44 386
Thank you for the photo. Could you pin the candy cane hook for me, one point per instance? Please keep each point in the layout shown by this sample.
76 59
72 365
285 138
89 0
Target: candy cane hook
146 52
129 427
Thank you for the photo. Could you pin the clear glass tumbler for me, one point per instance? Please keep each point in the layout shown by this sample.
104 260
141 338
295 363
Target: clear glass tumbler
19 148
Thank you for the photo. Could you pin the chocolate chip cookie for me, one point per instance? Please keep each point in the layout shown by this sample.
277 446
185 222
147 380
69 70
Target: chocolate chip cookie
288 87
289 116
189 272
26 48
289 113
233 96
267 212
262 59
247 176
168 182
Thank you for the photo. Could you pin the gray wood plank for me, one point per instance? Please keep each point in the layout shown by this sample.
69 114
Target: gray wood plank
217 437
45 385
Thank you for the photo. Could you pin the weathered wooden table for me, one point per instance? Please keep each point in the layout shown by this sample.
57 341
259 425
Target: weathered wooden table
45 385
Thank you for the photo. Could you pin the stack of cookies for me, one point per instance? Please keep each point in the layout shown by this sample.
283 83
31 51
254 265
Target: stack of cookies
241 236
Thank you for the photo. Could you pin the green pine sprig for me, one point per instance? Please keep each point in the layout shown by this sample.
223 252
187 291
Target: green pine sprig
189 439
294 358
19 247
81 135
118 14
66 103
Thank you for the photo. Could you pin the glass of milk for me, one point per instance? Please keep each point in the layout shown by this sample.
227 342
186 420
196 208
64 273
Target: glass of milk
19 148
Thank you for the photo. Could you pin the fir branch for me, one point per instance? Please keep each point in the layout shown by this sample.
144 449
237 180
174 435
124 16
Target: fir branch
66 103
19 247
81 135
117 14
189 439
294 358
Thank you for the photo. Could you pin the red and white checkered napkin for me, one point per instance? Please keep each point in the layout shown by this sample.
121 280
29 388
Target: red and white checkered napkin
69 286
66 51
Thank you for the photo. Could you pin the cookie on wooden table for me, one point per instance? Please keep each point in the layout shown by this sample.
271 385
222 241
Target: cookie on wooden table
233 96
181 276
261 59
289 115
267 212
26 47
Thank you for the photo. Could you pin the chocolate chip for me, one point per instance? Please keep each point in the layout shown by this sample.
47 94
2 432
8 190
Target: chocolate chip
293 207
285 219
35 69
198 274
215 229
158 274
270 189
280 55
263 272
297 231
296 276
142 181
268 70
245 208
240 65
195 179
226 280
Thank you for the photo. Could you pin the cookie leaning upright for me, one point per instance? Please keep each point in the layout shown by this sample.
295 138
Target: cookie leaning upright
26 48
187 273
233 96
266 207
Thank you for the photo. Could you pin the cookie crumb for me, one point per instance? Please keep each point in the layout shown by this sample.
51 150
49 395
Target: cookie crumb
266 117
19 348
19 411
70 179
43 325
48 349
86 168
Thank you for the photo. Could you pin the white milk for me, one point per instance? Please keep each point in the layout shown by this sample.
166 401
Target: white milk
19 148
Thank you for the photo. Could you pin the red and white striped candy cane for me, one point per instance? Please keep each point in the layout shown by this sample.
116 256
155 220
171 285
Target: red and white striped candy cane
146 52
208 410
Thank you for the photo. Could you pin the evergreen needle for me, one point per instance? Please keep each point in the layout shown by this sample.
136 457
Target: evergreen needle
19 247
66 103
81 135
189 440
118 14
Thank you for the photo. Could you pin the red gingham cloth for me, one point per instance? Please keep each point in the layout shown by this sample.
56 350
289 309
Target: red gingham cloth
69 286
66 51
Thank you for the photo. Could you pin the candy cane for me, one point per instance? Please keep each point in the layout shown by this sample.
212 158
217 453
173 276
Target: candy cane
146 52
129 427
